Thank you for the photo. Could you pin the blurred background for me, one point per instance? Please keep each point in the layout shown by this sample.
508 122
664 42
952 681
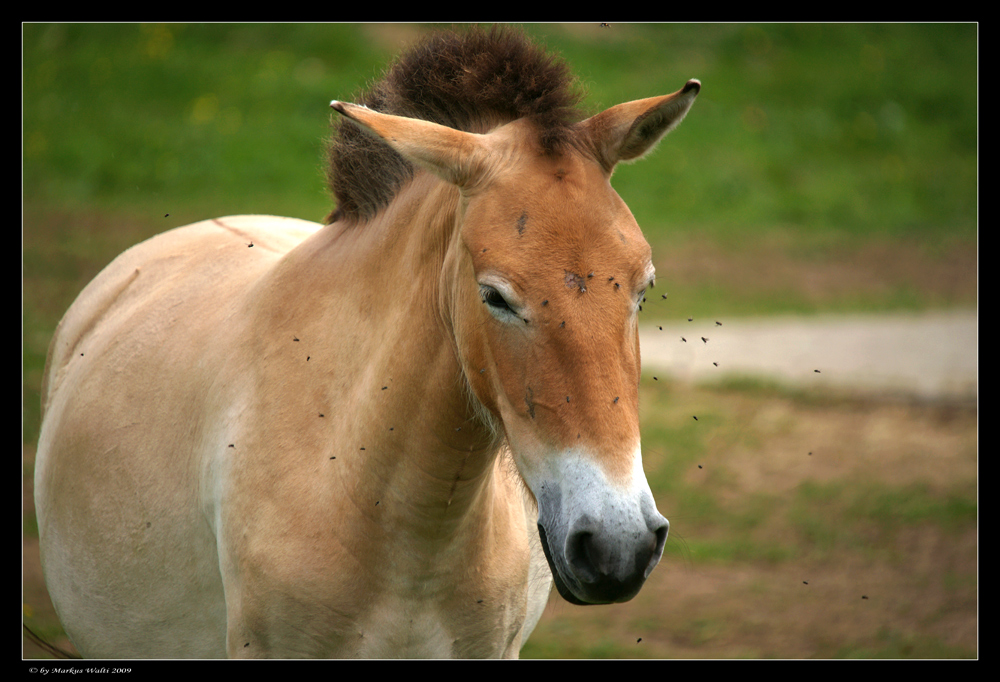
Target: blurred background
826 172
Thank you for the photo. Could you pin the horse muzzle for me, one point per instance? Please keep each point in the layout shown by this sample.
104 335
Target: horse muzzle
601 542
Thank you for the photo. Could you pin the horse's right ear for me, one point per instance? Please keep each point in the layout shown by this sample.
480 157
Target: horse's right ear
453 155
627 131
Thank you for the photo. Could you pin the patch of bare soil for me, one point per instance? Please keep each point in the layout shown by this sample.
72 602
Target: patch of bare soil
893 444
828 271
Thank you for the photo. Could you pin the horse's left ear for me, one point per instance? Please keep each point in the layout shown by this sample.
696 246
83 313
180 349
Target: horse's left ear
453 155
627 131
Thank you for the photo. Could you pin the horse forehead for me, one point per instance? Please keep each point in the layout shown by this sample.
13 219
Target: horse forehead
568 182
559 204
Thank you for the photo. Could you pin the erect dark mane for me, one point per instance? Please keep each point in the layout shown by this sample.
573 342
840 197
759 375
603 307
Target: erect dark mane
472 81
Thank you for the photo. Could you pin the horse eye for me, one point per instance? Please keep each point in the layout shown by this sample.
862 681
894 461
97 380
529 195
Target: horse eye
492 298
642 297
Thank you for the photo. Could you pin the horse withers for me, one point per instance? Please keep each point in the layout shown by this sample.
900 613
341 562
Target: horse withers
388 435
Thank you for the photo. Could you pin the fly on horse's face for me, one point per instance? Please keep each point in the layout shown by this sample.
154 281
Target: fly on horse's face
546 282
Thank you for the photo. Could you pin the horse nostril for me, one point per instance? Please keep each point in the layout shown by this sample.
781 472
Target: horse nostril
582 555
661 540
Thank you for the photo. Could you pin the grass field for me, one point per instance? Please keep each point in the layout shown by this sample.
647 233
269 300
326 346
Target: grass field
823 168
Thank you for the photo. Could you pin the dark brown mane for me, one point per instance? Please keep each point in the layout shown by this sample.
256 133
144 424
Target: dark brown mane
472 81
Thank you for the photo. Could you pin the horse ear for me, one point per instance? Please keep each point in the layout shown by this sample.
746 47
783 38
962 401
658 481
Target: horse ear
453 155
627 131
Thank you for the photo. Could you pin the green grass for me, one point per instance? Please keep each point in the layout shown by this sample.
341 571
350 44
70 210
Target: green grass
820 138
160 118
847 128
858 128
865 517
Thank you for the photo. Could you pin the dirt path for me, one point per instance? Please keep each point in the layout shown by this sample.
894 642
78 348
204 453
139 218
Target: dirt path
929 356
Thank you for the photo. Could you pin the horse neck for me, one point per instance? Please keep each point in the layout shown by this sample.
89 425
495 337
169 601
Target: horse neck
424 433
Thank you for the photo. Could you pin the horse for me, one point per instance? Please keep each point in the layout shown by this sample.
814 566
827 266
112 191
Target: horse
386 435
